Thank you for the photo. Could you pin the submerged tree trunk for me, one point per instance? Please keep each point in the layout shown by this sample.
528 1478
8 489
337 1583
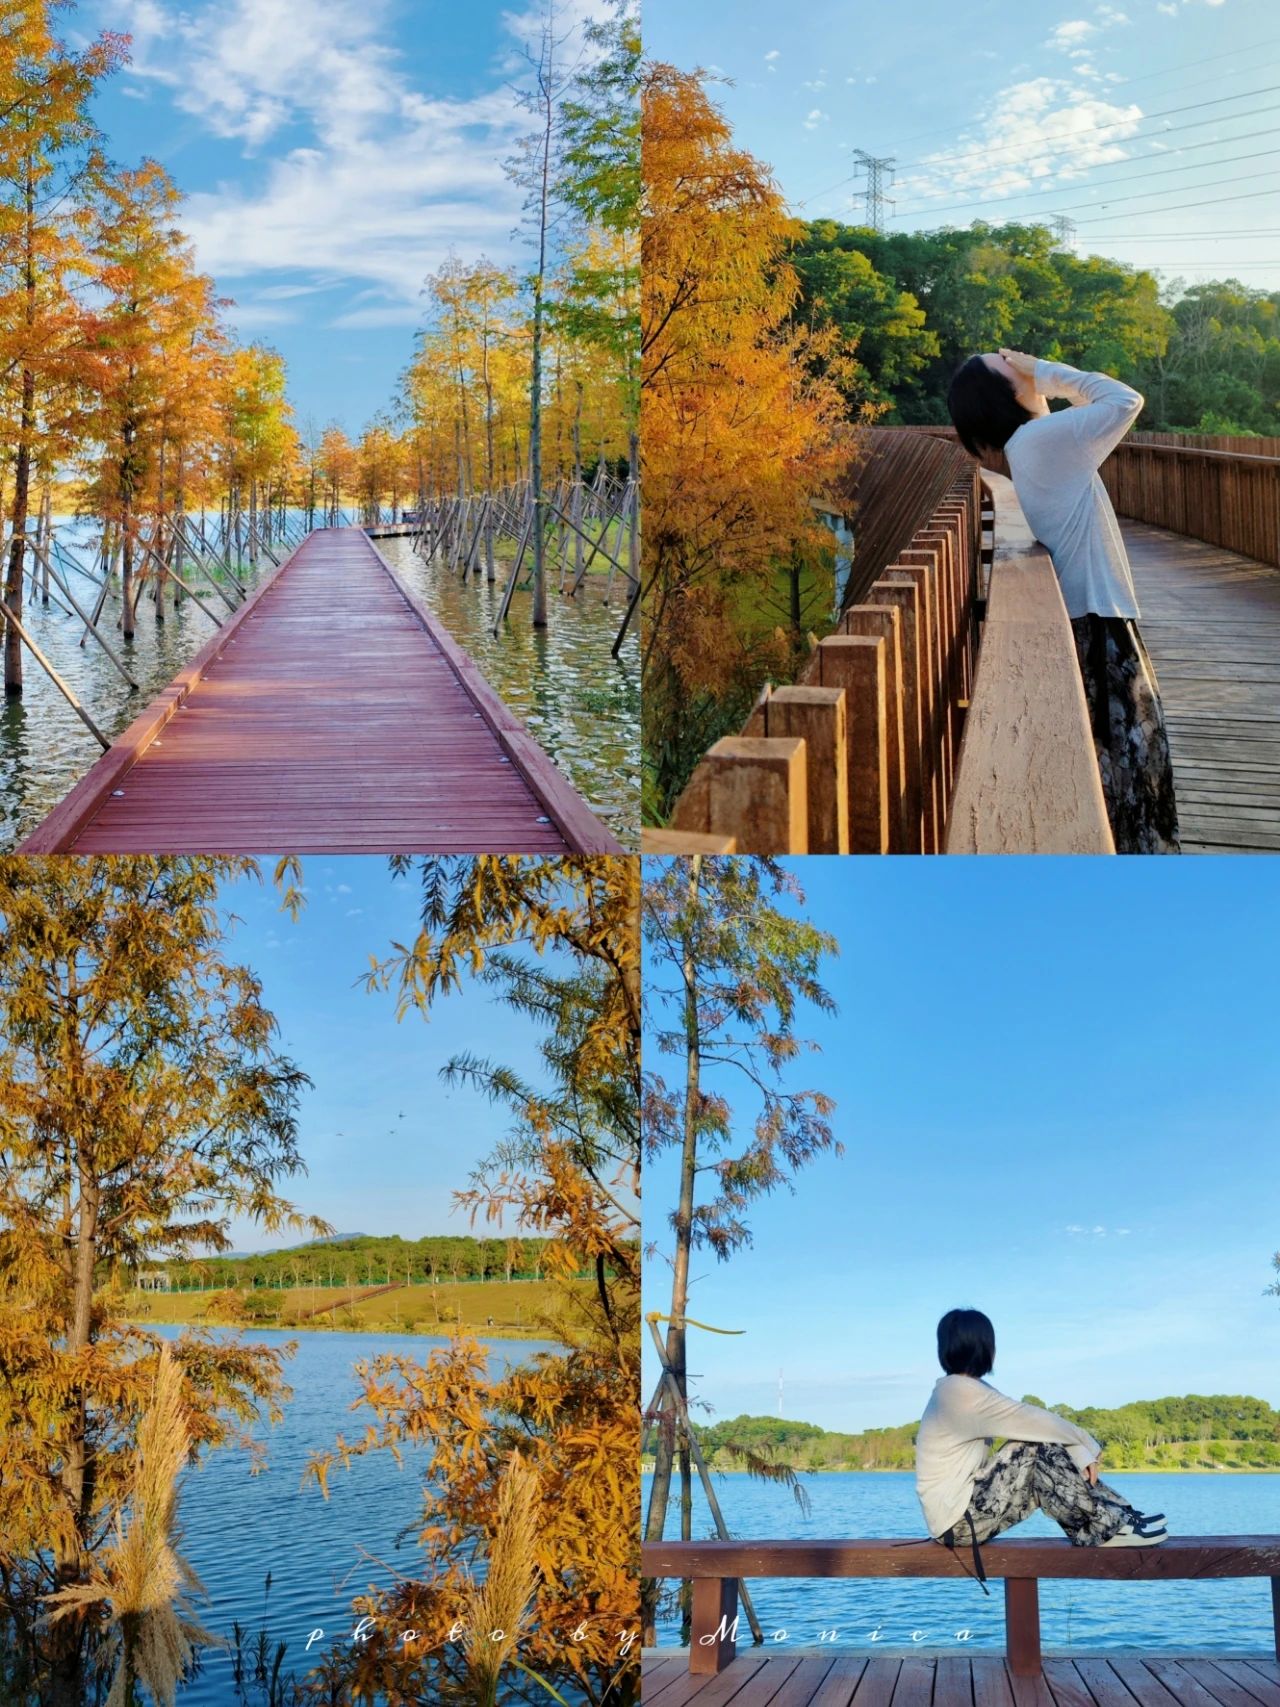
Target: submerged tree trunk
17 562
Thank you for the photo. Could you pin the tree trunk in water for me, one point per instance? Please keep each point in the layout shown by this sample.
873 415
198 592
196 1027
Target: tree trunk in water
21 499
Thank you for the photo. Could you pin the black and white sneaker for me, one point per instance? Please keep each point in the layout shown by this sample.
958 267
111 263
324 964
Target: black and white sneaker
1145 1534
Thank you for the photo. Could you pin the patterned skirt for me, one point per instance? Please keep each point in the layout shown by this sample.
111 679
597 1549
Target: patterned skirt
1128 734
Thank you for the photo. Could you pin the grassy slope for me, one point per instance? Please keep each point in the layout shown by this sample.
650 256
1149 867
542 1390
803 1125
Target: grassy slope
407 1309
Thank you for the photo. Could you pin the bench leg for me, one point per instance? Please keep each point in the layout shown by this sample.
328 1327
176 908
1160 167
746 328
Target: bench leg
1022 1625
715 1604
1275 1611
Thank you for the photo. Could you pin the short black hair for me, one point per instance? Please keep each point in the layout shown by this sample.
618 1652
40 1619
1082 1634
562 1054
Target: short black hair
966 1343
984 407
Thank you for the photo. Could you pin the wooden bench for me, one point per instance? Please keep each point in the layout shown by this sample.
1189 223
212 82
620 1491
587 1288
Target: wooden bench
715 1567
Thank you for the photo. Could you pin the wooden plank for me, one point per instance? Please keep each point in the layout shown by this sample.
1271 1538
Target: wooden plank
953 1681
914 1687
876 1686
1211 622
763 1689
1146 1689
840 1685
1066 1686
1104 1684
1028 774
990 1681
1263 1689
284 732
715 1691
685 842
1181 1557
1181 1684
1227 1690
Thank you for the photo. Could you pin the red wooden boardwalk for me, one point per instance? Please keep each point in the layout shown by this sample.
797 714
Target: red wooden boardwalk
332 714
763 1679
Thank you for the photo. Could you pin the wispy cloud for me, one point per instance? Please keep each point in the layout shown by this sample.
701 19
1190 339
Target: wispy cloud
354 172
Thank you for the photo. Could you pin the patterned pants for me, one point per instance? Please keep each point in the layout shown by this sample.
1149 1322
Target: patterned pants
1023 1477
1128 734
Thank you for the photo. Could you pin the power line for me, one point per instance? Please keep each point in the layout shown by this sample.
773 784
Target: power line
1179 207
1172 130
1129 178
1248 47
1112 124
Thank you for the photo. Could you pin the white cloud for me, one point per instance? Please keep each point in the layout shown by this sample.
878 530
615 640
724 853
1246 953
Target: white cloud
772 54
1040 133
1072 34
815 118
386 179
1170 10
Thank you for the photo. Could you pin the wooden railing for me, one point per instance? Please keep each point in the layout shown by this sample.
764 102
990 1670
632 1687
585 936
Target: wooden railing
903 736
716 1567
859 756
1230 498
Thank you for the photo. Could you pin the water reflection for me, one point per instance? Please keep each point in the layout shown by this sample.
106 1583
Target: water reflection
578 702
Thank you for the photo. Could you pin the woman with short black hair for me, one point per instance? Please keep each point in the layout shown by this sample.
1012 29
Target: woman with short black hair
1046 1464
999 405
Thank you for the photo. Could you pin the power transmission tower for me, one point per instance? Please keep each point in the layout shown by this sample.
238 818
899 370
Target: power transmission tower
879 178
1064 230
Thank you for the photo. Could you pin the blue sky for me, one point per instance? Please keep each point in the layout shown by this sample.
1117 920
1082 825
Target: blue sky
385 1142
332 152
1059 1094
997 111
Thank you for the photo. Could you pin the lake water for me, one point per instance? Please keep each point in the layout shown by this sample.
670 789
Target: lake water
1224 1616
237 1527
580 704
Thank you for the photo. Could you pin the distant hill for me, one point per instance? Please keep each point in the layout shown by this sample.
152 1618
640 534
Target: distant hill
1218 1432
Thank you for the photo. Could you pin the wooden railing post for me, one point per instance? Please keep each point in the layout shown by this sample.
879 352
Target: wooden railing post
1275 1612
880 622
712 1629
817 716
904 596
1022 1625
853 664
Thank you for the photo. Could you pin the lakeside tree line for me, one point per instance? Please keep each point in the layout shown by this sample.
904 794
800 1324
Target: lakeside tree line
1223 1431
362 1260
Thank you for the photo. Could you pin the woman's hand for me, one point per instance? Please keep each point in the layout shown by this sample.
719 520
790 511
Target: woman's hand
1020 363
1091 1473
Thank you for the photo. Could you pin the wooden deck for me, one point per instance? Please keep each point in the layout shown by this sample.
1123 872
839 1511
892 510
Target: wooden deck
331 713
758 1679
1211 622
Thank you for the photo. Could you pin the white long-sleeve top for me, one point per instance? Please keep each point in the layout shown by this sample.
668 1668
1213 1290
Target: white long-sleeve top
960 1421
1053 463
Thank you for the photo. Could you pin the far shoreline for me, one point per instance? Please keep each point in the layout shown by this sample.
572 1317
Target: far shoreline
647 1469
251 1328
